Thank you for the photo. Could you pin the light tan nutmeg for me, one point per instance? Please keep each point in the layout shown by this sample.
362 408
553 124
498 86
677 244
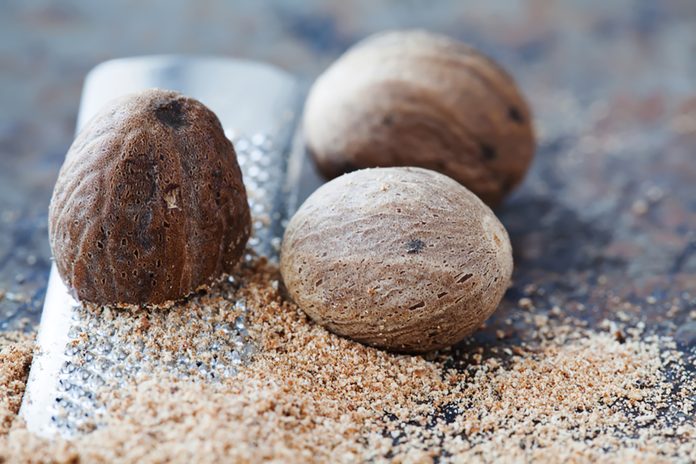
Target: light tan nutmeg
405 259
149 204
414 98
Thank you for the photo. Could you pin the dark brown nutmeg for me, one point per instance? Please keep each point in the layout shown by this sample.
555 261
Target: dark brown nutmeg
414 98
149 204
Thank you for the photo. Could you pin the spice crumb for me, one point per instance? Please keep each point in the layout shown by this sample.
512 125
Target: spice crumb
572 394
16 350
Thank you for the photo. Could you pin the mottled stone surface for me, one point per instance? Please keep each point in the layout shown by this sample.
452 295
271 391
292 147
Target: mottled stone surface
604 225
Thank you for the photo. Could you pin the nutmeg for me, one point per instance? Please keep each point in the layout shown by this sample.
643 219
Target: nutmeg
400 258
149 204
414 98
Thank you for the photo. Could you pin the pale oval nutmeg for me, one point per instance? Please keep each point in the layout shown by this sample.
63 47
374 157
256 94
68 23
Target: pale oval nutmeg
414 98
405 259
149 204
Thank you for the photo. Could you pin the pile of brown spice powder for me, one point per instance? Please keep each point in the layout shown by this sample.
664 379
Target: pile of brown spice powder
16 349
310 396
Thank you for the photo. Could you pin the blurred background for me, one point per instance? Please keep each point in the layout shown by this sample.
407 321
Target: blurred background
605 222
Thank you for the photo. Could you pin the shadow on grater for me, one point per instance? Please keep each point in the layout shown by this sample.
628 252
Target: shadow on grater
84 350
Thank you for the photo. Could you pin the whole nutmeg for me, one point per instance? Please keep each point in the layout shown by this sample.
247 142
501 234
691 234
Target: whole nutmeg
413 98
149 204
400 258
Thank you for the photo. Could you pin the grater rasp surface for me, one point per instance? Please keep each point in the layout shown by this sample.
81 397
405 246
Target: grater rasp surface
83 350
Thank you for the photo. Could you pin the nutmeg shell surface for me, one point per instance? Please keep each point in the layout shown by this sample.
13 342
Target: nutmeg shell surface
405 259
415 98
149 204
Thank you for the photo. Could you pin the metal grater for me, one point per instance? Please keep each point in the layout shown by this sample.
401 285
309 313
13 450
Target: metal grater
81 350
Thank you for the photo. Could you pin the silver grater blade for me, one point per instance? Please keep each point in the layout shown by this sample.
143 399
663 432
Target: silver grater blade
81 350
